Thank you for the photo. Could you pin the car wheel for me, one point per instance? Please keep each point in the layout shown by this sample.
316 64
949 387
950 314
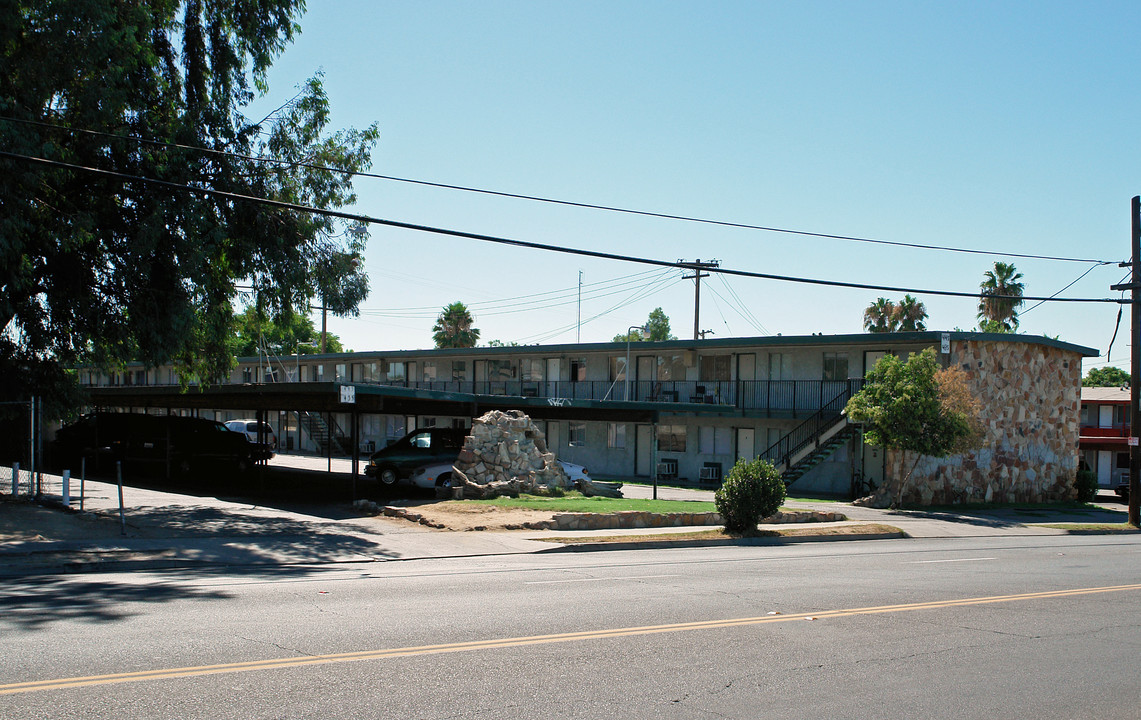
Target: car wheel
444 481
387 476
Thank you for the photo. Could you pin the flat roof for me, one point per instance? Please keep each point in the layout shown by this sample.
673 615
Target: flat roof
879 339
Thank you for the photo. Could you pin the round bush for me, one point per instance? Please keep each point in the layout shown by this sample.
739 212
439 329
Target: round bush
752 491
1086 485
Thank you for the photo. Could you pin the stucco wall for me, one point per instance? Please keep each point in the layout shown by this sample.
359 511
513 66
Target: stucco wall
1031 397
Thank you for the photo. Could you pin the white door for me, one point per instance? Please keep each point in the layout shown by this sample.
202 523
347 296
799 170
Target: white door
1105 465
647 375
873 464
871 357
643 450
1105 416
554 438
745 449
554 374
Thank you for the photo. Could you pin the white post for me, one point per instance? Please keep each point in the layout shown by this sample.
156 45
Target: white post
67 488
15 479
82 481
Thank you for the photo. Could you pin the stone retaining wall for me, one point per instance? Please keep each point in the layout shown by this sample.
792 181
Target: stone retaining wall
1031 397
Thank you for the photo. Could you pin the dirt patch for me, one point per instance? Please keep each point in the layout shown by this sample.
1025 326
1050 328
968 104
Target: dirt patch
457 516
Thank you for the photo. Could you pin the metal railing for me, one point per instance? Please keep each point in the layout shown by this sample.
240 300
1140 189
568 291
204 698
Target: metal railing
805 434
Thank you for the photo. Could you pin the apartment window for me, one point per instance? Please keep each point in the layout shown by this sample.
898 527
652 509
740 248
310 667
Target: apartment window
429 371
618 368
397 372
578 370
531 370
715 441
835 366
616 435
247 375
671 367
715 368
499 370
671 438
370 372
319 373
576 434
459 370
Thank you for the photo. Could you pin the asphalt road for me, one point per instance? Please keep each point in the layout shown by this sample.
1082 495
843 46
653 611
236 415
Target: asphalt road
1042 627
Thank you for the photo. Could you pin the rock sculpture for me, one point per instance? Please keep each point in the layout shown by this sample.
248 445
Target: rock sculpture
506 454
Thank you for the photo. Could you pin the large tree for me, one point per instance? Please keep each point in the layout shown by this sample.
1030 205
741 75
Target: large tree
880 317
657 328
285 335
1000 298
104 268
453 328
914 407
911 314
1108 376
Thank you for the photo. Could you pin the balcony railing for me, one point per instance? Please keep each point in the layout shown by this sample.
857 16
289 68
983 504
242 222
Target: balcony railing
778 396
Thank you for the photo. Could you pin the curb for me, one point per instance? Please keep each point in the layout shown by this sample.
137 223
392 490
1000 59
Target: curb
726 542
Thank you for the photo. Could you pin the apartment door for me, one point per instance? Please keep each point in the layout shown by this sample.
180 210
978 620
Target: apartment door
746 381
644 380
745 444
1105 416
1105 464
554 374
873 464
643 450
554 437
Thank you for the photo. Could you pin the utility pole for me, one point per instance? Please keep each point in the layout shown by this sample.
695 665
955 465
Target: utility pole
578 324
697 266
1134 286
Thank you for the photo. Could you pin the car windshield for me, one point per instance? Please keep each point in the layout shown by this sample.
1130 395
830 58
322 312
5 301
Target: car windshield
422 440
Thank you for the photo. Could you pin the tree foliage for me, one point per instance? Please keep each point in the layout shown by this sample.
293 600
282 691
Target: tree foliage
915 407
1106 377
883 315
657 328
285 335
453 328
1000 298
102 269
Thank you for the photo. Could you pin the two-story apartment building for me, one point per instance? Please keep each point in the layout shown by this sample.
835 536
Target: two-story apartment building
1105 434
686 410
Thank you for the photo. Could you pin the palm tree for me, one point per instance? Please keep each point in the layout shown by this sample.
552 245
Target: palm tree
1000 297
453 327
880 316
911 315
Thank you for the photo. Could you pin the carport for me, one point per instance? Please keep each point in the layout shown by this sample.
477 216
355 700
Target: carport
357 399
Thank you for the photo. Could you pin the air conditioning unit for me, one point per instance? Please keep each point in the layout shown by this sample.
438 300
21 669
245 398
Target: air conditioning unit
710 473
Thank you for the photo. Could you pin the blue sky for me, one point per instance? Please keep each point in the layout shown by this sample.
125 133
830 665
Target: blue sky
990 126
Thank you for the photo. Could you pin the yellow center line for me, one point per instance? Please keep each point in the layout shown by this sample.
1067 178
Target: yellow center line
200 670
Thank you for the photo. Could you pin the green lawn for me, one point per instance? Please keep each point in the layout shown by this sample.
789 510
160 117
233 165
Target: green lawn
576 503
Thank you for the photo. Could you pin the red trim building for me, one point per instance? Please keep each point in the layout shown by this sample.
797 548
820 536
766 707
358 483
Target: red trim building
1104 437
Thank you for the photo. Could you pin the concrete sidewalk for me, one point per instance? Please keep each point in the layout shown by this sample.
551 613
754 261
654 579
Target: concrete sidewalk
167 530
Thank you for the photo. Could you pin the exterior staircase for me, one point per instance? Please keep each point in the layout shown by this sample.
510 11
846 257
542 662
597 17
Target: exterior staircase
322 434
813 441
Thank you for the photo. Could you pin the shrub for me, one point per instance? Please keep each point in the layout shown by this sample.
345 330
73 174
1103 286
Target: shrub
1086 485
751 491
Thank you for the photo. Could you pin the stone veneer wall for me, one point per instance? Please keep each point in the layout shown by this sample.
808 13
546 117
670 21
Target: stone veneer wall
1031 397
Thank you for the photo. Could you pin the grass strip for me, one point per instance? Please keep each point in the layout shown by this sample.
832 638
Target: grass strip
720 534
574 502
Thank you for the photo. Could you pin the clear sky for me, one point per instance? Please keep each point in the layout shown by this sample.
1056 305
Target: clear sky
1007 127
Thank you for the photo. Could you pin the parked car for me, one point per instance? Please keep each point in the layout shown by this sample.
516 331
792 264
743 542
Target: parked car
433 475
180 444
574 472
419 447
265 448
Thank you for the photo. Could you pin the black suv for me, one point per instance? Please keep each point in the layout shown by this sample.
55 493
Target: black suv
419 447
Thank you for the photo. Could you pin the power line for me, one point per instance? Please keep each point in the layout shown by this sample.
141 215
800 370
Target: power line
568 203
357 217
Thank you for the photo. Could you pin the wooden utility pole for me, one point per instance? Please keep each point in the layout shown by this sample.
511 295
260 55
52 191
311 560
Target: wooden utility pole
1134 286
697 266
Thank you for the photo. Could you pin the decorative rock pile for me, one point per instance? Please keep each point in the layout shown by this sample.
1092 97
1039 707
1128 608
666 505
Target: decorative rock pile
506 454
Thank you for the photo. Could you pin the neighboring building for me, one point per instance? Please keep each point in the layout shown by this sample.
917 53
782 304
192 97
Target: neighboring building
1104 434
686 410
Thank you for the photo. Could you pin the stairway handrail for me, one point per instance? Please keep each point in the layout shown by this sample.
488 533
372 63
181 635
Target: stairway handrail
811 429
